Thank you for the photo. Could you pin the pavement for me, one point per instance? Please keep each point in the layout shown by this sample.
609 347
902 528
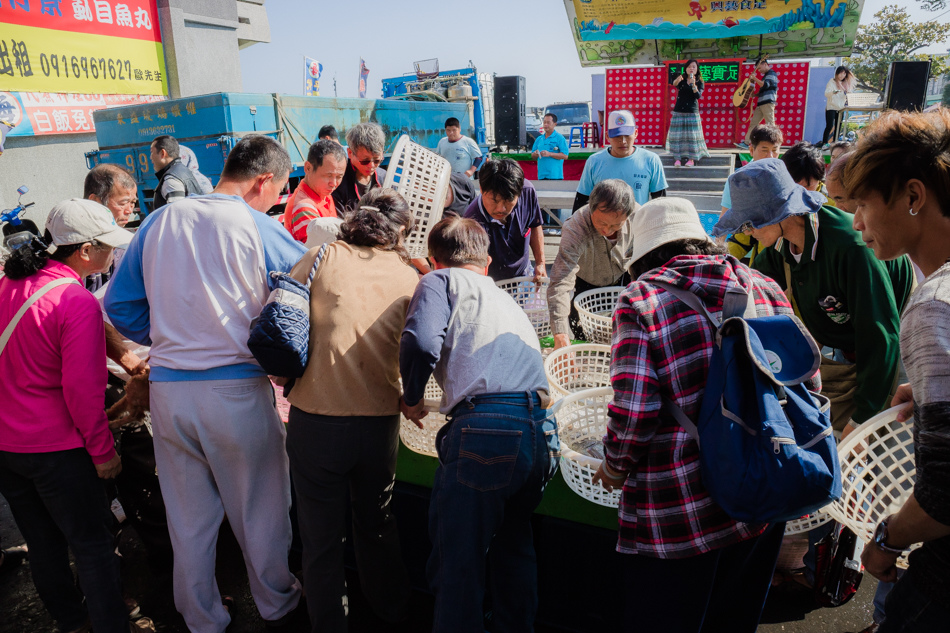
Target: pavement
22 612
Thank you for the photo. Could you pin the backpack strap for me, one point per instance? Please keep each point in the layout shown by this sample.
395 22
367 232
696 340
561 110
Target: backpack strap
736 303
8 331
681 418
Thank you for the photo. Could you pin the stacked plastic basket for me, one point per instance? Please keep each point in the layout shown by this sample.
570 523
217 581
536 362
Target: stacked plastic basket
423 440
532 297
582 422
595 310
577 367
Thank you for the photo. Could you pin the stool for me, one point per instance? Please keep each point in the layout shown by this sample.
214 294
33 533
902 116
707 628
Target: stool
579 130
591 134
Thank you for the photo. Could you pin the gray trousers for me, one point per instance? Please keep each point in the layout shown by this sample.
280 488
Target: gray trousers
332 457
220 450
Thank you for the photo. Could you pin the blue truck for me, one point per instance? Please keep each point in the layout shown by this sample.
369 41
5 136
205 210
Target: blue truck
210 125
464 86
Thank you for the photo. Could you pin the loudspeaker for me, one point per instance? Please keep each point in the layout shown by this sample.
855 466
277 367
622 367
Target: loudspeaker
907 85
510 111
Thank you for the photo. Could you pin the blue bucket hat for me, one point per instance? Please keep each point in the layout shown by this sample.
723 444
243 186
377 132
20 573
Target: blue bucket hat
763 193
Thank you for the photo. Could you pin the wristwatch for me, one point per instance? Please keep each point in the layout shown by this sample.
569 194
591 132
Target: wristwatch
880 539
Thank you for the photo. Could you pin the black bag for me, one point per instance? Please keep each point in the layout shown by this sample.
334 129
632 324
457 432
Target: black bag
280 335
838 569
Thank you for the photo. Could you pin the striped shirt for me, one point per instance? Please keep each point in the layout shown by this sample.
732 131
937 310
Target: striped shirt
925 350
768 92
304 205
661 349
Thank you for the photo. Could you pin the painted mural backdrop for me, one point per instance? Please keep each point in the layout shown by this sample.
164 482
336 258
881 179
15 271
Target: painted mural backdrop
623 32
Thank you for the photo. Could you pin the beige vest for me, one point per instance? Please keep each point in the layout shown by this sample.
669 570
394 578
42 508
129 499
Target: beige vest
358 304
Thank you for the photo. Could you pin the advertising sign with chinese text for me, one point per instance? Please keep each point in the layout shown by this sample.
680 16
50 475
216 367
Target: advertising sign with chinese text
41 113
81 47
623 32
717 71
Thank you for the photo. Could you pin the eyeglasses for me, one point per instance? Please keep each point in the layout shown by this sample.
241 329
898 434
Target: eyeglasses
375 161
746 226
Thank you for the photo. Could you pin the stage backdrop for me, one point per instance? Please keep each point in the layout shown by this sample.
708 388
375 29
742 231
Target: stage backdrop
646 92
624 32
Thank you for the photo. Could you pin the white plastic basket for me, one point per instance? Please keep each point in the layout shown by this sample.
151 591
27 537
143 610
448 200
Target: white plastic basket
423 440
422 177
533 299
877 473
578 367
595 310
582 422
807 523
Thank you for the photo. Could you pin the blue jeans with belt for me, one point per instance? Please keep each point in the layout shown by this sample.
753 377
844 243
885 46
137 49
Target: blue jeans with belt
496 454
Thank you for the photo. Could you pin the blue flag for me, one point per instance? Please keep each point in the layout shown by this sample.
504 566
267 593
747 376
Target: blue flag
312 69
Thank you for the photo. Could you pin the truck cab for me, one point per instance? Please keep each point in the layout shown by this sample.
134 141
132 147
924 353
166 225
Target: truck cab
569 114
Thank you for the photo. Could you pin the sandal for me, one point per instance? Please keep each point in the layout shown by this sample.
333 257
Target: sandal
228 603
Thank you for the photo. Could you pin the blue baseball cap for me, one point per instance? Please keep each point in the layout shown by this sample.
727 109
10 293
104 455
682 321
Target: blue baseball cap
621 123
763 193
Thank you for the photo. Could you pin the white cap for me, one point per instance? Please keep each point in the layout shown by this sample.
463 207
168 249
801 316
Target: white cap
78 221
662 221
621 123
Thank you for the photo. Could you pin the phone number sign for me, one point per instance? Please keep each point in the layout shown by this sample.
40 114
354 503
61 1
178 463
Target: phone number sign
81 47
712 72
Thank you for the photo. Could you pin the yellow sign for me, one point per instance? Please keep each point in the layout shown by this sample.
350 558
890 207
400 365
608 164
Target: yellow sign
42 60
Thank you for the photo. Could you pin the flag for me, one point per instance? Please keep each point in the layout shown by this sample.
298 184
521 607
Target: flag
312 69
4 128
364 74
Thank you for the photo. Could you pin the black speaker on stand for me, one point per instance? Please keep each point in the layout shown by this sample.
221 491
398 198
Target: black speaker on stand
510 100
907 85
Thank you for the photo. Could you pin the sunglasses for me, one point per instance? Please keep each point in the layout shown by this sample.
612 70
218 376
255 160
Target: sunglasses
374 161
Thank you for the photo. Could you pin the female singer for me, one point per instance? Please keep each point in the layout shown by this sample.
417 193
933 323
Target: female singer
686 127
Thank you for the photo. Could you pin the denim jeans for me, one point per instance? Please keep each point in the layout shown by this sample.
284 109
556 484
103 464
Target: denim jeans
495 456
60 504
908 610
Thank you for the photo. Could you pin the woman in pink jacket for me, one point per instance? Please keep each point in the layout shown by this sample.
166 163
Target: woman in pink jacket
55 442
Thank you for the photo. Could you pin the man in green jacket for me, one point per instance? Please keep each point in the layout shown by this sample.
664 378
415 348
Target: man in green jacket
848 299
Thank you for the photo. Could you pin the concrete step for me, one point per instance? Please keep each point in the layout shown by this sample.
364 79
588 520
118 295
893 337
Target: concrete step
685 183
703 201
715 160
698 171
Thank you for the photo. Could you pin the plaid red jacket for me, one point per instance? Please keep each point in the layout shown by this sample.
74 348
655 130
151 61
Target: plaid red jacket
661 349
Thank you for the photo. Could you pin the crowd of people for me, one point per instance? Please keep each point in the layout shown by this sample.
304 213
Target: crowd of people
859 253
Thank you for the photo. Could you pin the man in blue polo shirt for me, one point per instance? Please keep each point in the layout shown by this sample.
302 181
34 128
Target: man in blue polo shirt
550 150
639 168
508 210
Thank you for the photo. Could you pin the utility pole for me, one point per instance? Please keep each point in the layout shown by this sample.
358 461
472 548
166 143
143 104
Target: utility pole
334 85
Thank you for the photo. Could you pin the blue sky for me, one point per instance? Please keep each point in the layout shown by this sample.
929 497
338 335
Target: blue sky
508 37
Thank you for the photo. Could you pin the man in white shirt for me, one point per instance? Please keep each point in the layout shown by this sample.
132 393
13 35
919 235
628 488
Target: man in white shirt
461 151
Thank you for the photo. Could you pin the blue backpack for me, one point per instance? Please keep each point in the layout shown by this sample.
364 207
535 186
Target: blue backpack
767 453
